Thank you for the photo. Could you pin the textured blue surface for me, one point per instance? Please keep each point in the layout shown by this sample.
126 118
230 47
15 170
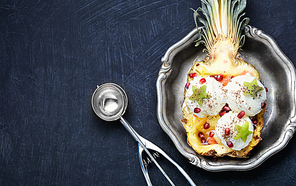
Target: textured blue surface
52 56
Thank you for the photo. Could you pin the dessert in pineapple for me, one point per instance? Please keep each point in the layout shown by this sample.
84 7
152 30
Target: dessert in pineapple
224 100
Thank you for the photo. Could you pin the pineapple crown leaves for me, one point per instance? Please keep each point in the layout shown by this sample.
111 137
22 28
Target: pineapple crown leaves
252 88
222 19
199 94
243 131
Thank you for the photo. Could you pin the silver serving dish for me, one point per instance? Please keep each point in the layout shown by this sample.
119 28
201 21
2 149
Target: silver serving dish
278 75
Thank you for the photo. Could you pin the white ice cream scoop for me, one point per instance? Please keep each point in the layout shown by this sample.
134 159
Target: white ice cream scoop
239 101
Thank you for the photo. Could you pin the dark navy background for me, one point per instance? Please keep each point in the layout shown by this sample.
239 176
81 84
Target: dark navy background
52 56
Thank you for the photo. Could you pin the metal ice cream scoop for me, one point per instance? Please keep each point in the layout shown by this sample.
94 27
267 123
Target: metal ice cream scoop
109 102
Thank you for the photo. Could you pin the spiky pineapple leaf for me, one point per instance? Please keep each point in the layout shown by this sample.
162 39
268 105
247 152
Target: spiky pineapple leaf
221 19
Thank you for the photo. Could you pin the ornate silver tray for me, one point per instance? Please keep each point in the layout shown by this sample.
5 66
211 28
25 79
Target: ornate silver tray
278 75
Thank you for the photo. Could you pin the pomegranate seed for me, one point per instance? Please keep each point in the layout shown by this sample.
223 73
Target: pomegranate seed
241 114
206 125
187 85
219 77
202 80
263 105
214 76
229 144
212 134
227 131
197 110
232 77
203 140
201 135
226 108
266 89
254 121
215 157
192 75
221 113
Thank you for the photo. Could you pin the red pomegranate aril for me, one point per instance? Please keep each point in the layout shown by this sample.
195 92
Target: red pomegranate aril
192 75
263 105
219 77
226 108
187 85
212 134
254 121
221 113
201 135
229 144
227 131
197 110
206 125
241 114
214 76
202 80
203 140
266 89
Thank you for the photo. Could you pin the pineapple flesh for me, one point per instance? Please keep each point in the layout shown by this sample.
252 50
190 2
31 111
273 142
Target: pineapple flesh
221 35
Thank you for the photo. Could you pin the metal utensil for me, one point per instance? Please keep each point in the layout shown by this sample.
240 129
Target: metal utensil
109 102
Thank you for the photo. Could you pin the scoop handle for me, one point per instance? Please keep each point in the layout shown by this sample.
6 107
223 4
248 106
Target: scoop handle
137 138
151 146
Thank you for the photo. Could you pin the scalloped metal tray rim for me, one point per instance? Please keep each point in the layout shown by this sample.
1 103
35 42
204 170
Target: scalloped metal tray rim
193 158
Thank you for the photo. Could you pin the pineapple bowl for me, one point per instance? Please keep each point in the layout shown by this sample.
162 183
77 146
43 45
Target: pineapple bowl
224 100
194 135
